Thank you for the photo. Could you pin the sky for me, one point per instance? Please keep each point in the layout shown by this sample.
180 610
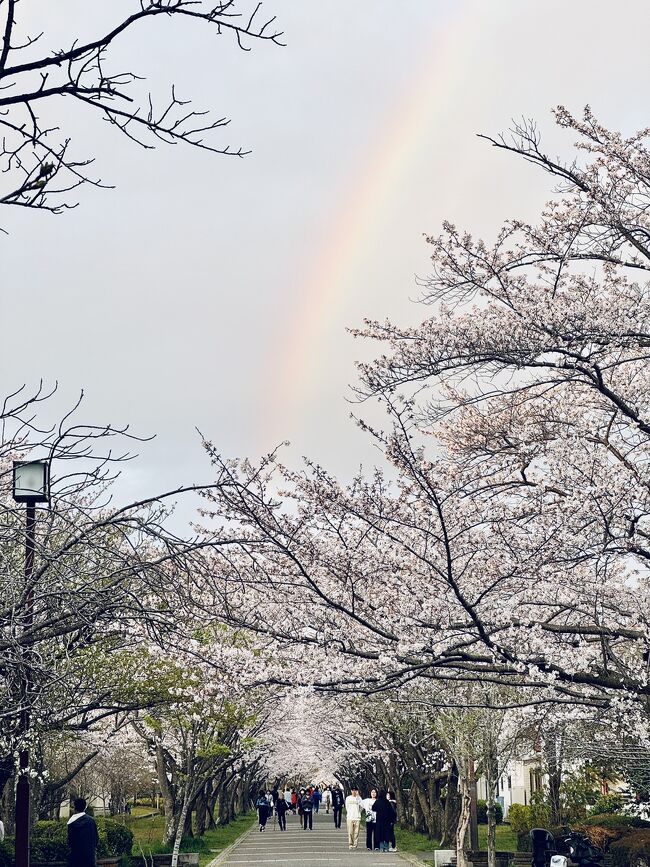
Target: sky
212 292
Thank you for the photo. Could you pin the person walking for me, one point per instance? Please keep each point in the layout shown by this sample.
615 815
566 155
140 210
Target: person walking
281 808
384 818
353 817
316 797
262 806
307 805
294 801
83 837
301 795
327 799
337 805
367 806
391 837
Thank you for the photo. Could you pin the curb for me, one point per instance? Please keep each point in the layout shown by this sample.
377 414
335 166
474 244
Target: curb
220 858
408 856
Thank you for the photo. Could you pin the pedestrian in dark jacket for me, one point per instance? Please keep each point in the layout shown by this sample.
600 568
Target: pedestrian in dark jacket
263 809
82 836
281 808
391 837
337 805
384 818
307 806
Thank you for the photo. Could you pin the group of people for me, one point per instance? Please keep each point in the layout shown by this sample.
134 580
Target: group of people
379 809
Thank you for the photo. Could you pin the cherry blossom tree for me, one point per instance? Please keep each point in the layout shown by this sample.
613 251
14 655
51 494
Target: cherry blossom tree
461 562
91 633
531 374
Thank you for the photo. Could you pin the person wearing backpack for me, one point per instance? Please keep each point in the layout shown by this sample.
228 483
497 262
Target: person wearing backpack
307 805
262 807
281 808
337 804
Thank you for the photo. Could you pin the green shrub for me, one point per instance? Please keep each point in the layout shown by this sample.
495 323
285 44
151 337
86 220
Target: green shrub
119 838
632 850
7 853
611 820
612 803
519 818
49 842
540 811
482 812
578 790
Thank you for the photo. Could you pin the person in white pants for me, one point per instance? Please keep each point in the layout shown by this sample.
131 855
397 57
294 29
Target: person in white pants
353 817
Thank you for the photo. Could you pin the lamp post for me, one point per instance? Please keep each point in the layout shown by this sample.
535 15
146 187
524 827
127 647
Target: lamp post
473 810
31 485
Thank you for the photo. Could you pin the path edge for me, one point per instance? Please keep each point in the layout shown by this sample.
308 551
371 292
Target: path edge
219 859
407 856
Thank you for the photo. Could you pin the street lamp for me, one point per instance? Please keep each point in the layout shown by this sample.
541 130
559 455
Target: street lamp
31 485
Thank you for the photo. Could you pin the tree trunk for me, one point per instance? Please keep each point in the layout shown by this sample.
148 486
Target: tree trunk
395 782
187 824
179 830
8 804
202 810
553 754
463 818
169 798
492 779
452 808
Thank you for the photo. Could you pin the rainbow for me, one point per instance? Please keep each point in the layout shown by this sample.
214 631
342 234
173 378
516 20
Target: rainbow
405 131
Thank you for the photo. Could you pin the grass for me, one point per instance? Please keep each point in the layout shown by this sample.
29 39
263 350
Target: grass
506 838
147 832
148 837
139 810
414 842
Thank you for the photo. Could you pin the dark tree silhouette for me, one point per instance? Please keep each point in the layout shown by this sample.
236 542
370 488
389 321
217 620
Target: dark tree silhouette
36 159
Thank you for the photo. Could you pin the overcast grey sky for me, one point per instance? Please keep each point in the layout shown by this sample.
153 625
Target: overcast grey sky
214 292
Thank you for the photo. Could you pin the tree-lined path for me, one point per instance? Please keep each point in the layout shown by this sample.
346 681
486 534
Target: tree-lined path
323 845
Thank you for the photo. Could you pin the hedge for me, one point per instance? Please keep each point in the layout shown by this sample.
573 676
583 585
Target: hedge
481 809
603 831
119 838
7 853
50 840
631 850
613 820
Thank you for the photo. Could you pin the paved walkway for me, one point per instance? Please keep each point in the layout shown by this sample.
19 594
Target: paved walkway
325 844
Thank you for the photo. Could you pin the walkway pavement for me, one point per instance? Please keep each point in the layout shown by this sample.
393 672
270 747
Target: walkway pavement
323 845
